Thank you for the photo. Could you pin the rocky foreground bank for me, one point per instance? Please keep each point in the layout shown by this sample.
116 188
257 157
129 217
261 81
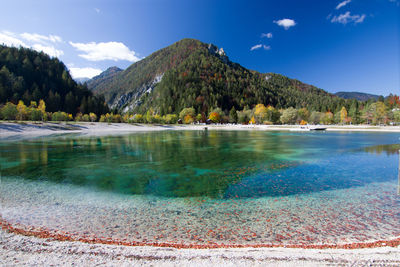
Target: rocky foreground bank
31 251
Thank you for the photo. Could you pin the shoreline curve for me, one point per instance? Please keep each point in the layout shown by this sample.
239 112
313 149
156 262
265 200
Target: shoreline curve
46 234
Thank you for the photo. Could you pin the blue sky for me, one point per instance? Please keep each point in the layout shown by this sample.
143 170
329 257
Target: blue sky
337 45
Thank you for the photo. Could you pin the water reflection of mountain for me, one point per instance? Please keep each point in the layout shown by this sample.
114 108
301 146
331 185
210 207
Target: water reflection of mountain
203 163
170 164
379 149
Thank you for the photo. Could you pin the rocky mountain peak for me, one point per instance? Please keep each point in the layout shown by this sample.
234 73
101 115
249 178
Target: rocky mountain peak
214 50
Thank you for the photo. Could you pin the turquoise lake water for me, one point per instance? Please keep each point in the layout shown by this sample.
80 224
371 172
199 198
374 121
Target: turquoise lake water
199 187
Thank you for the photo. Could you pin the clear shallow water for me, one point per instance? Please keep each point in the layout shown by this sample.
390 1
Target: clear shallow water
197 187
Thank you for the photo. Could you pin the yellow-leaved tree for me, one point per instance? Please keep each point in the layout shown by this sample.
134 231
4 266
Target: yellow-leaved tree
92 116
343 115
327 118
42 106
260 113
22 111
252 121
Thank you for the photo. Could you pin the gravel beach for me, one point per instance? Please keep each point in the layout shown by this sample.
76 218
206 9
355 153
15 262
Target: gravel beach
36 129
31 251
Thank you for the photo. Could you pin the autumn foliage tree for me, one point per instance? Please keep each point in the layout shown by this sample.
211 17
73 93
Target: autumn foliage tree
92 116
376 113
215 117
252 120
187 111
188 119
343 115
22 111
393 101
260 113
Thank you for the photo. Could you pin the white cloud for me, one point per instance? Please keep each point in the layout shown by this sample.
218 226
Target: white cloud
348 18
34 37
258 46
84 72
342 4
267 35
255 47
50 50
105 51
285 23
10 39
97 10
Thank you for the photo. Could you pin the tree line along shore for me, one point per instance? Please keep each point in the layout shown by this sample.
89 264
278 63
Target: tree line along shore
375 113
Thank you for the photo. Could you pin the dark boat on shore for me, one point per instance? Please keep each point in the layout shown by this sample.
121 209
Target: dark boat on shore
317 128
307 128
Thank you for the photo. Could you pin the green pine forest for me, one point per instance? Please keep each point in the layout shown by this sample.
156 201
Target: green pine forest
28 75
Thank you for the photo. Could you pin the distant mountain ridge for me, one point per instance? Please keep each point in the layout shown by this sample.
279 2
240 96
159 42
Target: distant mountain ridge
190 73
357 95
103 77
81 80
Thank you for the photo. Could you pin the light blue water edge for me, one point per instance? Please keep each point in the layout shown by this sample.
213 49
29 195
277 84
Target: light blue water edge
201 187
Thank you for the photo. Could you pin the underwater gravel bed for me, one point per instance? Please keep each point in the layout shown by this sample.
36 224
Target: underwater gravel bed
325 220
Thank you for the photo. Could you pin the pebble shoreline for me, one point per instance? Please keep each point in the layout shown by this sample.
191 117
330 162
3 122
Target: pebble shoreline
17 249
36 129
66 237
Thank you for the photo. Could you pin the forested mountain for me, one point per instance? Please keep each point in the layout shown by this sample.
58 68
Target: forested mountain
357 95
103 78
130 84
190 73
28 75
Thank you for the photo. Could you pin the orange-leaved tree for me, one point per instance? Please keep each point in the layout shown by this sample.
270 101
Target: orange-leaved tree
215 117
188 119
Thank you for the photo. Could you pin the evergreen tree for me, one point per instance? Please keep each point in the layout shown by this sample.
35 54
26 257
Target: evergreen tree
354 112
233 118
70 106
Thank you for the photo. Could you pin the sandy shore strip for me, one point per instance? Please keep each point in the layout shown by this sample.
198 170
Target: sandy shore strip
32 129
32 251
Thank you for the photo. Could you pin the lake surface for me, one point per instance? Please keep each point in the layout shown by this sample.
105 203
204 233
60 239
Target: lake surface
206 187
